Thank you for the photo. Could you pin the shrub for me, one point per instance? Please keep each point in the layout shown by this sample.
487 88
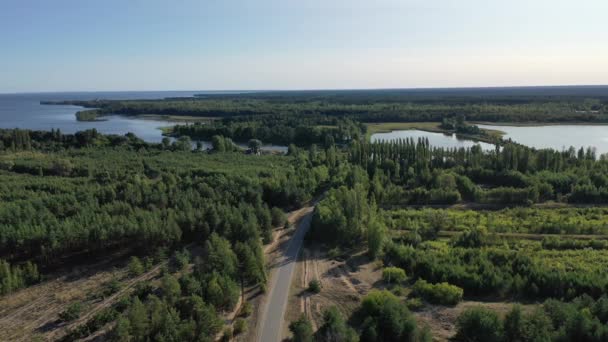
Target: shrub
278 217
227 334
393 275
334 253
148 263
71 313
314 286
112 287
414 304
384 317
240 326
301 330
334 327
182 259
135 267
472 238
479 324
442 293
246 310
398 291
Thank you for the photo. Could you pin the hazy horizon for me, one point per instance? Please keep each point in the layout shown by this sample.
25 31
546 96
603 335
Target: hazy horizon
303 89
71 46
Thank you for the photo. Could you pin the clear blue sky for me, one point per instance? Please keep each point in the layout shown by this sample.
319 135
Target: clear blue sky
65 45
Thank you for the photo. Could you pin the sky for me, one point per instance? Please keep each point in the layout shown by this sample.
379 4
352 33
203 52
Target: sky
87 45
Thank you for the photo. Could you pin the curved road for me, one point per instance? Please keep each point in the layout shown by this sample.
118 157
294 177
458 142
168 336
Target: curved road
274 311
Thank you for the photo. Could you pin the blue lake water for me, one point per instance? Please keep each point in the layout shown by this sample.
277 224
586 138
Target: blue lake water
557 137
25 111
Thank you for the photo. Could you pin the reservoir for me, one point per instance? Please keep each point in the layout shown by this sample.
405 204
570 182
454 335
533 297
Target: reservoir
557 137
25 111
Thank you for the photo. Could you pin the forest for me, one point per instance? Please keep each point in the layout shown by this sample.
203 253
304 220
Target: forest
447 225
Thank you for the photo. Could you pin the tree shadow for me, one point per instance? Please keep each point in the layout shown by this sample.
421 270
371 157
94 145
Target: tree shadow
50 326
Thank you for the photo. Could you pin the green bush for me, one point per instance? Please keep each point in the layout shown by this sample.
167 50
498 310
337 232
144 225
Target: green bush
441 293
414 304
111 287
301 330
393 275
246 310
135 267
384 317
240 326
71 313
335 253
314 286
227 334
278 217
398 290
479 324
182 259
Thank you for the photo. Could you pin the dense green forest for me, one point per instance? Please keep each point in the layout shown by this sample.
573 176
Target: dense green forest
69 199
514 223
542 104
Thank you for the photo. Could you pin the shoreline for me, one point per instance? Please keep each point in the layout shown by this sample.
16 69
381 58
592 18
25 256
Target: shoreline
493 136
539 123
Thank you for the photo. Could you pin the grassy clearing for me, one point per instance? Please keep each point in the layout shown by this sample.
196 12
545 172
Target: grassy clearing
385 127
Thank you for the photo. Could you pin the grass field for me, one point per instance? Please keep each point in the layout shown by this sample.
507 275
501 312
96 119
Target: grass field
385 127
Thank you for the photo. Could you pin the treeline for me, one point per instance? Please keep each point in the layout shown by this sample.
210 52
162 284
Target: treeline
413 172
583 319
586 220
588 97
14 277
12 140
493 270
458 125
371 110
277 129
88 115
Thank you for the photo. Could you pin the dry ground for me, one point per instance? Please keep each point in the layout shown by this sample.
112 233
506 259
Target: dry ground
344 283
33 313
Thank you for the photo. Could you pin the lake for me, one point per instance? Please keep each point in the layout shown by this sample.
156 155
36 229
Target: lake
558 137
25 111
435 139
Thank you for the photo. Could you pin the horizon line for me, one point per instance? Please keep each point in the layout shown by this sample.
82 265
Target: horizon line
309 89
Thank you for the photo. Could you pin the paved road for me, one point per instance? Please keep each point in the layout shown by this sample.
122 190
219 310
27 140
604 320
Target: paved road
274 312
